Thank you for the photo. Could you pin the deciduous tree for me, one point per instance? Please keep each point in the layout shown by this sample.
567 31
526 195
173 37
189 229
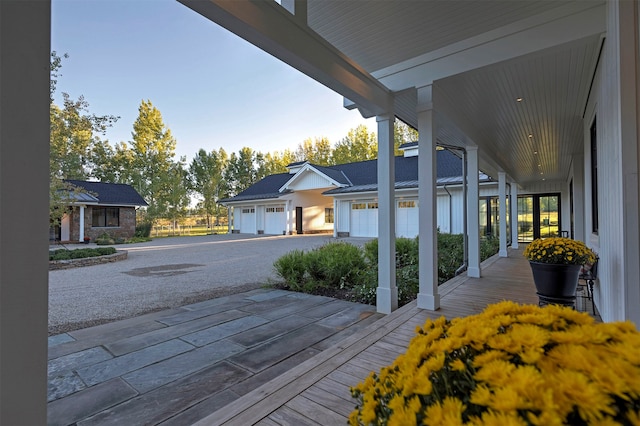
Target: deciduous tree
206 177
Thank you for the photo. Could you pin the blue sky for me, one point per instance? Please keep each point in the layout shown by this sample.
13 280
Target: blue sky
213 88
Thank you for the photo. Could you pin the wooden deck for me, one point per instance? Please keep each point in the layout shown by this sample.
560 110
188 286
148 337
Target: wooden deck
316 392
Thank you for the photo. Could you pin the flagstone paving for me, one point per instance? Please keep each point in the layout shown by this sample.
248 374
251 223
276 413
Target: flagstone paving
177 366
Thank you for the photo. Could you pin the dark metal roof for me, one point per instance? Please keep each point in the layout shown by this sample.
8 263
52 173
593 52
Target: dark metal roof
360 176
117 194
267 187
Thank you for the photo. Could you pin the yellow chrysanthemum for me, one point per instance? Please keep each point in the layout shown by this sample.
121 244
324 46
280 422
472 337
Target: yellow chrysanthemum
521 363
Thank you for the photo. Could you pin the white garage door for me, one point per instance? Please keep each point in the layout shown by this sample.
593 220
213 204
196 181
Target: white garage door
407 218
364 219
248 220
275 220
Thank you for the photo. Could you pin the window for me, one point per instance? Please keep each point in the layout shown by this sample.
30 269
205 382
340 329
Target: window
275 209
328 215
251 210
358 206
105 217
407 204
594 178
373 205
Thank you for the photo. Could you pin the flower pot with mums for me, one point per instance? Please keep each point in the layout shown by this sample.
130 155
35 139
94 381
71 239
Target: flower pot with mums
556 264
509 365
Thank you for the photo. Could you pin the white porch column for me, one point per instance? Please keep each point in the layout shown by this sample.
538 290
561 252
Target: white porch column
428 297
229 219
502 212
25 43
473 215
514 215
335 218
81 233
387 293
255 218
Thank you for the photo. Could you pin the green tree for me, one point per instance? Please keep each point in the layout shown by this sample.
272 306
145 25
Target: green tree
403 133
173 197
274 162
241 171
358 145
316 151
206 176
73 137
151 158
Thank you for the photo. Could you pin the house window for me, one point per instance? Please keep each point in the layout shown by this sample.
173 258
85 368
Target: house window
328 215
358 206
251 210
407 204
372 205
105 217
594 178
275 210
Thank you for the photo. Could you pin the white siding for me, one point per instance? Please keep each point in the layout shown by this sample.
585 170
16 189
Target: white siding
309 180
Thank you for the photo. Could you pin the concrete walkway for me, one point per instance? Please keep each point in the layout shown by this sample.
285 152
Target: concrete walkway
177 366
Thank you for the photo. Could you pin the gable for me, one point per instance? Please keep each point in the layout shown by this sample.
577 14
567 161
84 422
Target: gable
309 179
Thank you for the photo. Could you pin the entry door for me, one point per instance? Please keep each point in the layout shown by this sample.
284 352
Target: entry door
538 216
298 220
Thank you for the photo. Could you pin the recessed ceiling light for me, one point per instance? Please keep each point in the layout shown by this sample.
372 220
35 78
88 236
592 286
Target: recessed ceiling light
530 136
535 152
518 99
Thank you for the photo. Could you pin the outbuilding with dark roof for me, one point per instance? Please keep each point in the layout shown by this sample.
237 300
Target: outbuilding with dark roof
343 199
98 208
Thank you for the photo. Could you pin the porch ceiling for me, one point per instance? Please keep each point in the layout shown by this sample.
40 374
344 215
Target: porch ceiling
552 73
479 56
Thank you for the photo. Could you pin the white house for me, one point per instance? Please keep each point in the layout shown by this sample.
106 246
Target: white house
343 199
543 96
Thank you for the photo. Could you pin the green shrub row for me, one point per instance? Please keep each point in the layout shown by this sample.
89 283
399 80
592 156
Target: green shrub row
65 254
342 266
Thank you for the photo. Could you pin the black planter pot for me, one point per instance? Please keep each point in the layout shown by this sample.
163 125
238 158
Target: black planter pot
555 284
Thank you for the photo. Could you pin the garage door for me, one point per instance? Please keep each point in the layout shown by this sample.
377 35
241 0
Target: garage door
364 219
407 218
275 220
248 220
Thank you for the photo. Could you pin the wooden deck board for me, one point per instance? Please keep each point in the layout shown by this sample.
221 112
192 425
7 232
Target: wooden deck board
317 391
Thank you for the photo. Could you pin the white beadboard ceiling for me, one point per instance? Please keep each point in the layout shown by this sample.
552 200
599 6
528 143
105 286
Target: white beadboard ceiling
531 140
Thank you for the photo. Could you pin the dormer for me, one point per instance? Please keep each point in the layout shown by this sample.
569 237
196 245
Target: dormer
293 168
410 149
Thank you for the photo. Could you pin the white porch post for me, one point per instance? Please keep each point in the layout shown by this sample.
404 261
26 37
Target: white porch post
387 293
428 297
335 218
81 233
25 43
229 219
514 215
255 218
502 212
473 215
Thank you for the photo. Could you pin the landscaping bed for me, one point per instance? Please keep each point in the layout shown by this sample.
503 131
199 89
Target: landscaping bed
345 271
65 258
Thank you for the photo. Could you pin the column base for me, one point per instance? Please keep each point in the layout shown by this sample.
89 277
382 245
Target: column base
473 272
386 299
430 302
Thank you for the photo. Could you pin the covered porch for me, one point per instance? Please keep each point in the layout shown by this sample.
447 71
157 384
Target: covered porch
316 392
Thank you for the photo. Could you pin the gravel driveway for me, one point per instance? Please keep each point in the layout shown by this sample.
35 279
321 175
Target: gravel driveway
166 273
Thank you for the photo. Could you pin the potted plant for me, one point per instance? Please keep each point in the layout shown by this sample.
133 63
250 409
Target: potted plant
87 240
556 263
511 364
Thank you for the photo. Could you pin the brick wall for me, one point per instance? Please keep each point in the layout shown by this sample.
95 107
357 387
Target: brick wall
126 229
